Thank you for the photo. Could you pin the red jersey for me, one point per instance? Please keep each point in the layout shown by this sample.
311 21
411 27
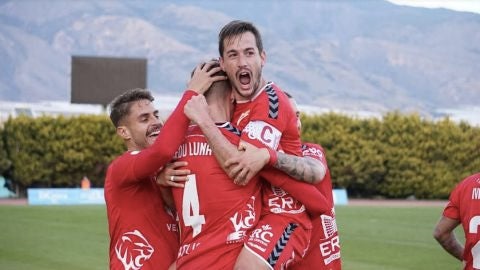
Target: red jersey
214 213
324 250
143 234
464 206
269 120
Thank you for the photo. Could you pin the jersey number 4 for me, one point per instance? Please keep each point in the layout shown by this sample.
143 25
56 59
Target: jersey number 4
473 228
191 206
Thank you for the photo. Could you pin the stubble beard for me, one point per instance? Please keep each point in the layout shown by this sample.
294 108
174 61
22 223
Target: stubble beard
254 90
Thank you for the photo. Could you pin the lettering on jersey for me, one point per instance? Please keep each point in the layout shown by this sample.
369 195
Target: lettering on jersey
264 133
312 151
474 224
329 225
193 149
242 221
242 116
172 227
187 249
133 249
330 245
261 237
280 201
476 194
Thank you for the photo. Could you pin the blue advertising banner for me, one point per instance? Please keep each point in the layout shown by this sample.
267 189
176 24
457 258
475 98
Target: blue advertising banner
65 196
340 197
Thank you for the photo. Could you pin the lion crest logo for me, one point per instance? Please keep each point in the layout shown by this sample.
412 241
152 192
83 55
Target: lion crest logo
133 250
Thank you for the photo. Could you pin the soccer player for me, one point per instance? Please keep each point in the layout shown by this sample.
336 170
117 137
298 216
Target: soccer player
143 234
463 208
266 119
214 213
212 240
324 250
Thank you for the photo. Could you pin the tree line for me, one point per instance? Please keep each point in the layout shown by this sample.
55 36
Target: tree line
397 156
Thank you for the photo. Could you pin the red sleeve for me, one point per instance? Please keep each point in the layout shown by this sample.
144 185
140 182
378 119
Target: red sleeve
147 162
315 202
452 209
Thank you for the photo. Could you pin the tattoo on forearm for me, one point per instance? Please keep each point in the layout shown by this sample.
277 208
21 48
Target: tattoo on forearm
303 169
453 247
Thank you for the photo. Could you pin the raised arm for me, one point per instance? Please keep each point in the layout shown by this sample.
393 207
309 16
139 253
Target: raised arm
149 160
197 110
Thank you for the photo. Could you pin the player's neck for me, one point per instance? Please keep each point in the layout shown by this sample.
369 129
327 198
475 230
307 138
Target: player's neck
219 114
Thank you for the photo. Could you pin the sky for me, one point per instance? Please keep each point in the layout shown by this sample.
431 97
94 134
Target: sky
458 5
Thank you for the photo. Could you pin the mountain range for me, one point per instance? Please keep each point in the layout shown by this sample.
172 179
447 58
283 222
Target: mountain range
368 55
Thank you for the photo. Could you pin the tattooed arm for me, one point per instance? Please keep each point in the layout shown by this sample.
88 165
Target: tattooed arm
305 169
445 236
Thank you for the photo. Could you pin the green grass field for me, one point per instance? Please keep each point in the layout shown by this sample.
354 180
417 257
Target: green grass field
76 237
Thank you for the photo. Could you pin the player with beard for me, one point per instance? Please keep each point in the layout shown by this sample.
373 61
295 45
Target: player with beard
214 213
142 232
324 250
263 111
209 211
266 119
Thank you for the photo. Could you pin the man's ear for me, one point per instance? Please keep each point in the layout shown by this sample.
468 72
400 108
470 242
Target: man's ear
263 56
220 61
123 132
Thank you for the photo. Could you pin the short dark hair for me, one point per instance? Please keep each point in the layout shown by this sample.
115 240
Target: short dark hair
235 28
120 106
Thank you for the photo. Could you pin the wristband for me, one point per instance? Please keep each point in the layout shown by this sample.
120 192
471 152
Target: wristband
273 157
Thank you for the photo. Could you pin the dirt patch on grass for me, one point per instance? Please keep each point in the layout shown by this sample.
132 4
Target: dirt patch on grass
383 203
13 201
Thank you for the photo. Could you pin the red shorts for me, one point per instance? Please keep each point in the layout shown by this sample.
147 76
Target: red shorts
279 241
324 250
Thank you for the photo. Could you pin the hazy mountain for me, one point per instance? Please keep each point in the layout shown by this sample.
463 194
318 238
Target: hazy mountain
354 55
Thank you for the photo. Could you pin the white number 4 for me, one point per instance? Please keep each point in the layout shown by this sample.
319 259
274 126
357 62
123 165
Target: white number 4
473 228
191 206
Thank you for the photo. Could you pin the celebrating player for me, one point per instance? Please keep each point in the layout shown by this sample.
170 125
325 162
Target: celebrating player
324 250
142 232
214 213
462 208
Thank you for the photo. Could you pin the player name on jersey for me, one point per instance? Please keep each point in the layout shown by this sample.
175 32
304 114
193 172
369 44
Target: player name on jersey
193 149
476 194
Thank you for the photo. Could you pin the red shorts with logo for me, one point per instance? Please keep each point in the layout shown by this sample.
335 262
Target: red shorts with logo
279 241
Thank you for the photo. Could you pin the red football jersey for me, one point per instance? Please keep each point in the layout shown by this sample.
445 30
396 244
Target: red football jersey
214 213
269 120
464 206
142 233
324 249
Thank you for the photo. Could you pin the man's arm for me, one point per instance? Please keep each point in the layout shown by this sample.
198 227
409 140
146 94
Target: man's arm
148 161
197 110
445 236
307 169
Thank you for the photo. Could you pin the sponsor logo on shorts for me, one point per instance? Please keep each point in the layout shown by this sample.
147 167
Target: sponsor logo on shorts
261 237
187 249
242 221
133 250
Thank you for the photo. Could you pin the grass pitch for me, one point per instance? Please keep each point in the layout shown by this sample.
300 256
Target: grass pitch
76 237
